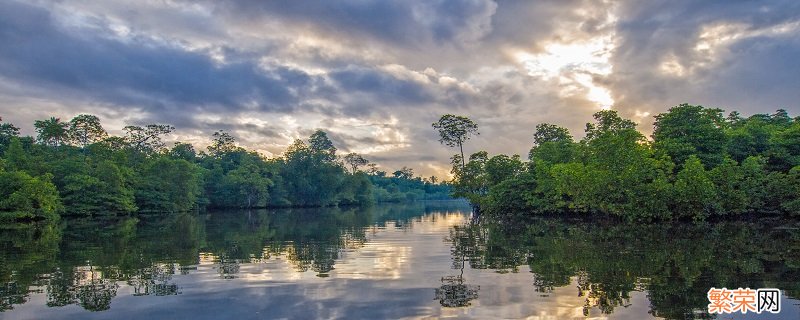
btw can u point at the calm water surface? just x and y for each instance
(420, 260)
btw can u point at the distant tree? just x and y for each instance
(355, 160)
(7, 131)
(785, 147)
(404, 173)
(791, 187)
(51, 132)
(372, 169)
(115, 143)
(85, 129)
(183, 151)
(454, 131)
(147, 139)
(168, 185)
(320, 145)
(222, 143)
(310, 175)
(250, 184)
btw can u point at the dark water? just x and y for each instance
(421, 260)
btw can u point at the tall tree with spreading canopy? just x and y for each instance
(454, 131)
(147, 139)
(85, 129)
(355, 160)
(222, 143)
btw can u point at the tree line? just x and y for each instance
(698, 164)
(75, 168)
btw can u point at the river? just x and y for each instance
(416, 260)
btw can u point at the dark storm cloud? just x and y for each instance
(137, 72)
(386, 88)
(392, 21)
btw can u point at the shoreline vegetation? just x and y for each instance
(76, 169)
(698, 165)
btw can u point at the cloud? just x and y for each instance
(140, 72)
(734, 55)
(407, 23)
(376, 74)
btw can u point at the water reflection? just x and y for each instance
(85, 262)
(397, 261)
(674, 263)
(455, 292)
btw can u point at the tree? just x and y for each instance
(320, 145)
(102, 192)
(250, 183)
(51, 132)
(471, 181)
(168, 185)
(791, 187)
(502, 167)
(552, 144)
(546, 132)
(222, 143)
(728, 178)
(355, 160)
(147, 139)
(454, 131)
(687, 130)
(785, 148)
(7, 131)
(404, 173)
(23, 197)
(607, 121)
(183, 151)
(16, 157)
(695, 193)
(85, 129)
(372, 169)
(310, 174)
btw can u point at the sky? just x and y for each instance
(376, 74)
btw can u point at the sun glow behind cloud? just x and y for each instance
(713, 45)
(574, 66)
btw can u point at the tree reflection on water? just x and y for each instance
(84, 262)
(455, 292)
(674, 263)
(90, 263)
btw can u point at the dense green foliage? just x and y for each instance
(76, 169)
(698, 165)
